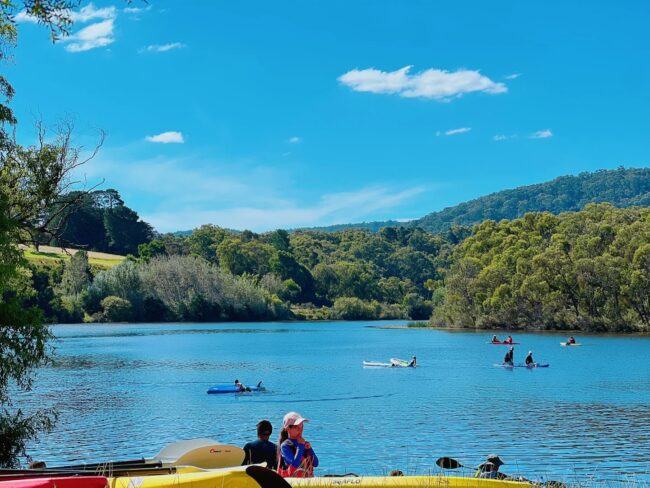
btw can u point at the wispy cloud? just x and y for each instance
(95, 35)
(186, 192)
(542, 134)
(513, 76)
(330, 209)
(460, 130)
(161, 48)
(295, 140)
(170, 137)
(432, 83)
(136, 10)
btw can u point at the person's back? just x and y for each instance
(262, 450)
(529, 359)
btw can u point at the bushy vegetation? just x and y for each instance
(586, 270)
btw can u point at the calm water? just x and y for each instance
(128, 390)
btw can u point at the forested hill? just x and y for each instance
(622, 187)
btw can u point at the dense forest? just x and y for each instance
(622, 187)
(583, 270)
(97, 221)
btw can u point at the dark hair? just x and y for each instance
(396, 472)
(36, 465)
(264, 427)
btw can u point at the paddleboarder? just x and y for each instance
(529, 359)
(509, 358)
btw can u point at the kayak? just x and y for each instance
(235, 477)
(231, 388)
(401, 363)
(376, 364)
(406, 482)
(57, 482)
(569, 344)
(532, 366)
(502, 343)
(258, 477)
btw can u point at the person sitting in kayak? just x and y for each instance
(495, 339)
(296, 458)
(508, 340)
(529, 359)
(490, 468)
(413, 362)
(509, 357)
(571, 340)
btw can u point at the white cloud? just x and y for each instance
(95, 35)
(136, 10)
(500, 137)
(161, 48)
(295, 140)
(460, 130)
(171, 137)
(432, 83)
(542, 134)
(89, 12)
(23, 16)
(513, 76)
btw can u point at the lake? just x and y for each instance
(126, 391)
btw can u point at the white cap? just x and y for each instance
(293, 418)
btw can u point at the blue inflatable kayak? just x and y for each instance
(231, 388)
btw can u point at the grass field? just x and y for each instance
(47, 255)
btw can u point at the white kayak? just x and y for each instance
(401, 363)
(376, 364)
(574, 344)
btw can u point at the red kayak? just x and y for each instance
(62, 482)
(501, 343)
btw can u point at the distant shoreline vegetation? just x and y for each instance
(583, 271)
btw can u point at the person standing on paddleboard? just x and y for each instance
(296, 458)
(509, 358)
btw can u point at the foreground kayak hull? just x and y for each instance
(59, 482)
(237, 477)
(406, 482)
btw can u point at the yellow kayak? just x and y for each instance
(259, 477)
(406, 482)
(237, 477)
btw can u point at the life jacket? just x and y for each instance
(305, 470)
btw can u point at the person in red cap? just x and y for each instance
(296, 458)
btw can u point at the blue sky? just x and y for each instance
(263, 115)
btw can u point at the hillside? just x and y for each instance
(622, 187)
(48, 255)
